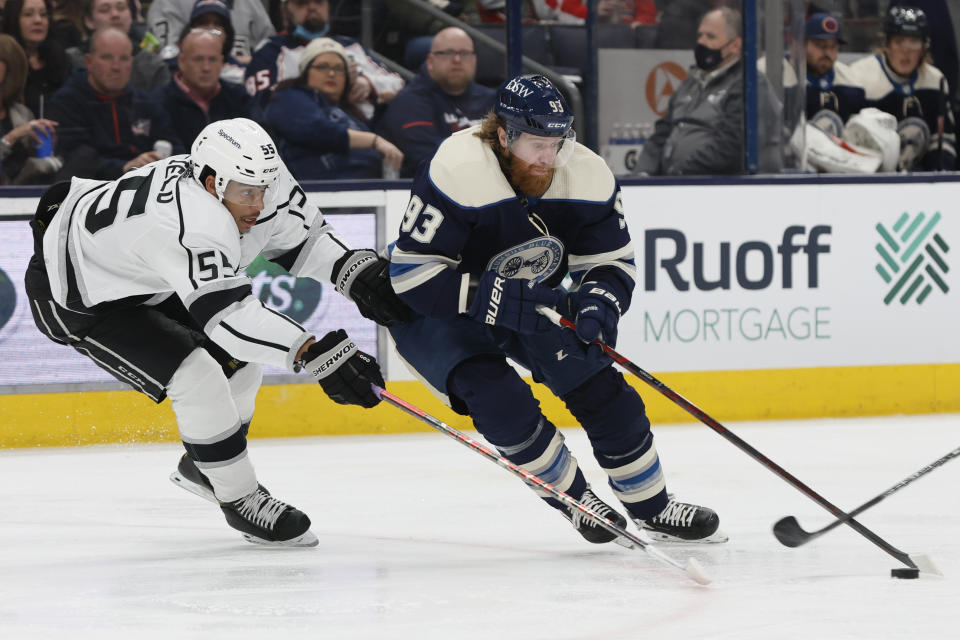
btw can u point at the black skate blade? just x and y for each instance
(196, 489)
(307, 539)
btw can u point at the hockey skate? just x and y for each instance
(589, 529)
(682, 522)
(189, 477)
(262, 519)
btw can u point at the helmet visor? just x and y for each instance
(246, 195)
(550, 152)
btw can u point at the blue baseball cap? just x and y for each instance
(823, 26)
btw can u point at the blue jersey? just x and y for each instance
(836, 91)
(464, 217)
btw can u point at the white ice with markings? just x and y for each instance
(422, 538)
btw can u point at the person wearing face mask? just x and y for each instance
(702, 130)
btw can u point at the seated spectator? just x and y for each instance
(28, 21)
(250, 24)
(107, 127)
(900, 80)
(279, 59)
(148, 71)
(319, 135)
(67, 25)
(211, 14)
(197, 96)
(702, 131)
(442, 99)
(830, 85)
(19, 131)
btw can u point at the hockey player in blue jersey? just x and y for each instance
(901, 81)
(496, 220)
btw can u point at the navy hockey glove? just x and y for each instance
(364, 277)
(512, 303)
(596, 312)
(344, 372)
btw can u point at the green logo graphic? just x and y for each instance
(272, 285)
(912, 258)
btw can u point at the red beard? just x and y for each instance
(526, 182)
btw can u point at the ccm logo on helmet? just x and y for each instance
(226, 136)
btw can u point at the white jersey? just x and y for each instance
(156, 232)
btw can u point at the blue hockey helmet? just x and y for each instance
(906, 21)
(532, 104)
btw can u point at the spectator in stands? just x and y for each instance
(250, 24)
(211, 14)
(370, 83)
(830, 86)
(107, 127)
(900, 80)
(198, 96)
(19, 131)
(442, 100)
(319, 135)
(67, 25)
(148, 70)
(28, 21)
(702, 131)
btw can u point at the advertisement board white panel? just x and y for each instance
(770, 276)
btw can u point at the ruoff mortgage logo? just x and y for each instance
(912, 258)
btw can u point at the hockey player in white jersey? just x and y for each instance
(498, 218)
(145, 275)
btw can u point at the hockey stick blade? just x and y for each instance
(692, 568)
(737, 441)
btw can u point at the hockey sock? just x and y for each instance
(505, 412)
(615, 419)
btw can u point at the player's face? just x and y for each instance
(539, 152)
(904, 53)
(243, 201)
(822, 54)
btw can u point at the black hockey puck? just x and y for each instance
(905, 573)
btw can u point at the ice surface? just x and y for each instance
(422, 538)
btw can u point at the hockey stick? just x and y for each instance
(692, 568)
(915, 561)
(789, 532)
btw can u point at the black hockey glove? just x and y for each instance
(596, 312)
(512, 303)
(344, 372)
(364, 277)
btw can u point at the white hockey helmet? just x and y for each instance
(238, 151)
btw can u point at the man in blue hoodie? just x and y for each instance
(442, 100)
(106, 127)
